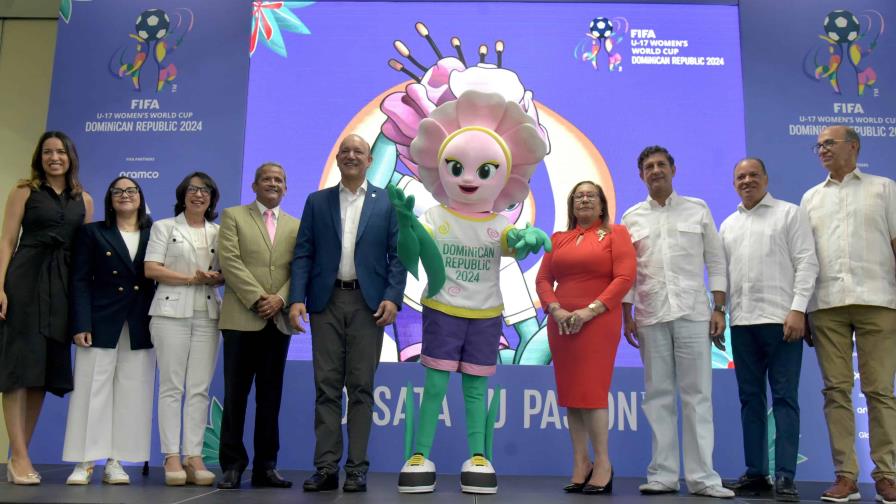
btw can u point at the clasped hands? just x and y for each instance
(572, 322)
(210, 278)
(268, 305)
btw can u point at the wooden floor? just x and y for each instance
(381, 489)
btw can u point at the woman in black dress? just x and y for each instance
(35, 352)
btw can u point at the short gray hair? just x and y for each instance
(265, 165)
(756, 159)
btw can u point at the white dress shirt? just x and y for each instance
(350, 205)
(673, 244)
(771, 261)
(262, 209)
(854, 222)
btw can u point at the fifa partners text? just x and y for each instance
(538, 408)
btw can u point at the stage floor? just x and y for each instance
(381, 489)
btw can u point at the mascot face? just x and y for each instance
(473, 167)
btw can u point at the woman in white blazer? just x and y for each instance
(182, 257)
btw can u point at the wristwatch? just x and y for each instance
(593, 307)
(720, 308)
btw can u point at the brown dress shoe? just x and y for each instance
(886, 490)
(843, 490)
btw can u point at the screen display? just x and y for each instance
(605, 80)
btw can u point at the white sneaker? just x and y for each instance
(418, 475)
(657, 487)
(717, 491)
(478, 476)
(114, 474)
(81, 474)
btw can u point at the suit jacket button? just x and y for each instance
(166, 297)
(114, 272)
(136, 287)
(121, 289)
(208, 297)
(213, 251)
(273, 268)
(108, 253)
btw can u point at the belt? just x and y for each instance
(347, 284)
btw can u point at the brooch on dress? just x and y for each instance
(601, 234)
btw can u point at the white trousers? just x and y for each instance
(110, 409)
(187, 350)
(679, 353)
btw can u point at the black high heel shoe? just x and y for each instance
(578, 487)
(594, 489)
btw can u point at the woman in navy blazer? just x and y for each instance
(110, 412)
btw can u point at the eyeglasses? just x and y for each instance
(118, 192)
(826, 145)
(191, 189)
(584, 196)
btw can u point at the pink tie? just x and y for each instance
(269, 223)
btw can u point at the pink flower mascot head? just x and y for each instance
(477, 153)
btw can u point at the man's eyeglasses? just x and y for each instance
(584, 196)
(826, 145)
(198, 189)
(118, 192)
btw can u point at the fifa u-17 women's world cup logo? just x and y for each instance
(603, 34)
(158, 34)
(847, 37)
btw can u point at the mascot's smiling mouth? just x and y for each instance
(468, 189)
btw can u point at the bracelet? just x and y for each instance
(189, 281)
(553, 307)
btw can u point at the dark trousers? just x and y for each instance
(345, 349)
(248, 355)
(760, 350)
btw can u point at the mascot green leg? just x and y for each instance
(477, 474)
(475, 388)
(418, 475)
(433, 393)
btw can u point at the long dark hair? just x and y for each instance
(572, 222)
(144, 221)
(181, 194)
(39, 176)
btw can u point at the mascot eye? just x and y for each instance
(486, 171)
(455, 167)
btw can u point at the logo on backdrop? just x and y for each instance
(604, 36)
(847, 38)
(158, 36)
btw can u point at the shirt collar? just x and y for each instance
(766, 200)
(361, 190)
(857, 173)
(652, 203)
(262, 208)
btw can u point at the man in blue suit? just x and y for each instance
(346, 274)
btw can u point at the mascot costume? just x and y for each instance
(475, 155)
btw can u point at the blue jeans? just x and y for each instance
(759, 350)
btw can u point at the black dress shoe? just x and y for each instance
(746, 485)
(590, 489)
(577, 487)
(355, 481)
(321, 481)
(269, 478)
(230, 480)
(785, 490)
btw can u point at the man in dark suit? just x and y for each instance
(255, 245)
(346, 274)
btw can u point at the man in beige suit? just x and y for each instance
(255, 245)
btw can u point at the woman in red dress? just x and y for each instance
(593, 266)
